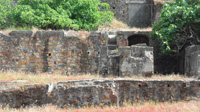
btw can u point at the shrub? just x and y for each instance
(5, 10)
(61, 14)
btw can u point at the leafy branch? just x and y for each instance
(179, 25)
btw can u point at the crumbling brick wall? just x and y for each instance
(70, 52)
(100, 92)
(45, 51)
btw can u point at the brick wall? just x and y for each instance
(44, 51)
(100, 92)
(69, 52)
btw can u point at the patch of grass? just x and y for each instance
(182, 106)
(45, 78)
(118, 25)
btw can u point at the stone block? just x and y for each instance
(192, 60)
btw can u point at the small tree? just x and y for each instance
(179, 25)
(61, 14)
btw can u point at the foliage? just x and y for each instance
(5, 11)
(179, 25)
(61, 14)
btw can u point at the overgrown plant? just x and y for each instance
(179, 25)
(61, 14)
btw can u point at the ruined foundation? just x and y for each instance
(100, 92)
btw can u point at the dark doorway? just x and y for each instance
(138, 39)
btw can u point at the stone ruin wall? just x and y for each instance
(112, 50)
(100, 92)
(66, 52)
(45, 51)
(69, 52)
(136, 13)
(119, 8)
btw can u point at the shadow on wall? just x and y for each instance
(167, 64)
(138, 39)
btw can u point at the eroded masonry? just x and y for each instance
(101, 92)
(115, 53)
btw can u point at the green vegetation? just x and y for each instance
(55, 14)
(5, 11)
(179, 25)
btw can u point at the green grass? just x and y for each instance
(12, 28)
(25, 28)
